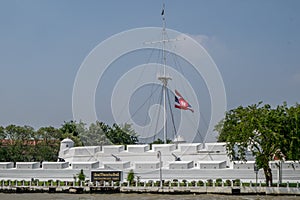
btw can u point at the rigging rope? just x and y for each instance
(142, 104)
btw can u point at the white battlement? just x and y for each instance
(85, 165)
(6, 165)
(163, 148)
(146, 165)
(55, 165)
(27, 165)
(243, 165)
(212, 164)
(138, 148)
(215, 147)
(181, 165)
(189, 147)
(116, 165)
(86, 150)
(109, 149)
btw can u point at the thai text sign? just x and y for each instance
(106, 175)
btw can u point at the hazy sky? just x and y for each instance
(255, 45)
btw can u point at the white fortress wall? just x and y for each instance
(194, 162)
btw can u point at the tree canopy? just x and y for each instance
(23, 143)
(268, 133)
(100, 133)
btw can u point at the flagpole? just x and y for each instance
(164, 79)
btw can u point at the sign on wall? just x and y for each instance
(106, 176)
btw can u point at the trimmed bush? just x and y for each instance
(149, 183)
(192, 183)
(209, 182)
(200, 183)
(174, 184)
(117, 183)
(141, 184)
(157, 183)
(218, 182)
(228, 182)
(166, 183)
(246, 184)
(236, 182)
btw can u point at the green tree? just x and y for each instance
(81, 175)
(2, 133)
(47, 141)
(130, 176)
(18, 142)
(262, 130)
(72, 130)
(159, 141)
(120, 135)
(290, 137)
(95, 135)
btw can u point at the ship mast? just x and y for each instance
(164, 78)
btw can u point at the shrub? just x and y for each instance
(209, 182)
(40, 183)
(292, 184)
(182, 184)
(149, 183)
(117, 183)
(236, 182)
(157, 183)
(142, 184)
(133, 183)
(81, 175)
(174, 184)
(246, 184)
(192, 183)
(166, 183)
(200, 183)
(283, 185)
(130, 176)
(218, 182)
(228, 182)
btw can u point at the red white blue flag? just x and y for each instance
(181, 103)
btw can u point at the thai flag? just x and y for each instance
(181, 103)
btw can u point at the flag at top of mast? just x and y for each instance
(163, 10)
(181, 103)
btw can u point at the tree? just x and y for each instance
(290, 145)
(159, 141)
(47, 142)
(119, 135)
(17, 143)
(95, 135)
(72, 130)
(2, 133)
(81, 175)
(130, 176)
(266, 132)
